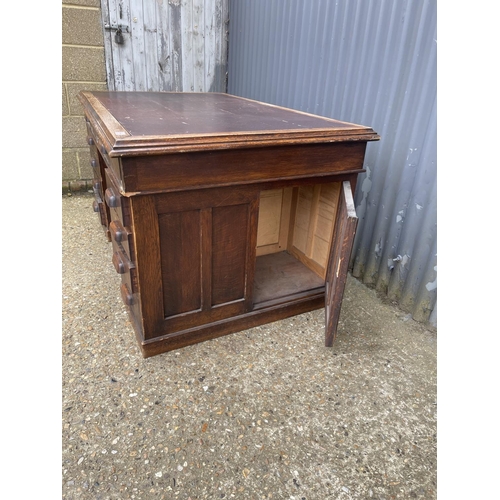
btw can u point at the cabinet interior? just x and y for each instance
(294, 235)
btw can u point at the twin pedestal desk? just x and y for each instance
(224, 213)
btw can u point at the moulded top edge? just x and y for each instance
(151, 121)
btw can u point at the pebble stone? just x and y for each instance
(266, 413)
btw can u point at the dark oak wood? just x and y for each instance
(237, 167)
(182, 290)
(178, 179)
(229, 253)
(338, 264)
(148, 123)
(259, 316)
(99, 183)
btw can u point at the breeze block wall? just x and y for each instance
(83, 68)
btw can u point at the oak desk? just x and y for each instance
(224, 213)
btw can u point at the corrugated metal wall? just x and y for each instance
(371, 62)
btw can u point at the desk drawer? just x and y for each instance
(120, 227)
(98, 184)
(122, 238)
(100, 209)
(126, 269)
(118, 205)
(122, 260)
(121, 235)
(96, 146)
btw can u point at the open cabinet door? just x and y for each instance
(343, 237)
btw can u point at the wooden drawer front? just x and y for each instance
(97, 145)
(100, 209)
(129, 289)
(94, 163)
(96, 169)
(119, 206)
(98, 185)
(99, 205)
(98, 189)
(122, 237)
(119, 211)
(123, 263)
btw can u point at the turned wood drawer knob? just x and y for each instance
(90, 141)
(111, 198)
(117, 231)
(122, 263)
(95, 206)
(119, 263)
(93, 163)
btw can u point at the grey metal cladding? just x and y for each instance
(371, 62)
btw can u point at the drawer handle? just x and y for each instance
(111, 198)
(122, 263)
(90, 141)
(118, 232)
(119, 263)
(95, 206)
(127, 297)
(93, 163)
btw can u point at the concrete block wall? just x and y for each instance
(83, 68)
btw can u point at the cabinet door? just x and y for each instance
(343, 237)
(195, 257)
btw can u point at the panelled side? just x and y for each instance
(204, 257)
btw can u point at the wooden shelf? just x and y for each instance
(280, 275)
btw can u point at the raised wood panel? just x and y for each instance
(180, 241)
(208, 240)
(229, 251)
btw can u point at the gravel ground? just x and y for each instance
(266, 413)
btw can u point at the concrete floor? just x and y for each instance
(267, 413)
